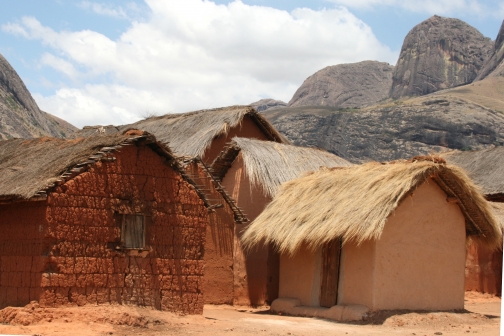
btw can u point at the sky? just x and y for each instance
(117, 61)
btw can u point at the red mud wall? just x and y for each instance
(483, 271)
(218, 279)
(82, 265)
(247, 129)
(21, 252)
(256, 272)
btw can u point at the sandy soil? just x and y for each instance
(481, 317)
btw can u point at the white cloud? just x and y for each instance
(15, 29)
(60, 65)
(104, 9)
(440, 7)
(194, 54)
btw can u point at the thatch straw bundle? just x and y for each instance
(269, 164)
(28, 166)
(485, 167)
(354, 203)
(191, 134)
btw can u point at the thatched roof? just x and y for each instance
(31, 168)
(354, 203)
(191, 134)
(270, 164)
(485, 167)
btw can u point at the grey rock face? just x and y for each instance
(346, 85)
(268, 104)
(389, 133)
(20, 116)
(439, 53)
(494, 66)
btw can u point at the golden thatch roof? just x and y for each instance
(270, 164)
(485, 167)
(355, 202)
(191, 134)
(30, 168)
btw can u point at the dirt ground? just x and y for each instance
(481, 317)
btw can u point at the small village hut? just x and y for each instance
(252, 171)
(486, 168)
(381, 236)
(204, 134)
(102, 219)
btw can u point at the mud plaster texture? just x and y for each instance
(218, 279)
(418, 262)
(231, 275)
(483, 270)
(256, 271)
(247, 129)
(64, 251)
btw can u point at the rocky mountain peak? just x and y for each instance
(351, 85)
(439, 53)
(268, 104)
(13, 83)
(494, 66)
(20, 116)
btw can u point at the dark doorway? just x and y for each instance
(330, 273)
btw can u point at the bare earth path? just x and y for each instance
(481, 317)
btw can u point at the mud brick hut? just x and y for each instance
(103, 219)
(375, 236)
(486, 169)
(251, 171)
(204, 134)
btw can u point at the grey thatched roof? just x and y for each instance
(270, 164)
(28, 168)
(485, 167)
(354, 203)
(191, 134)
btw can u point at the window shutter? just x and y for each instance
(133, 231)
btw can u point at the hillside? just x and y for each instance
(20, 117)
(467, 117)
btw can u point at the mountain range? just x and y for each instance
(446, 91)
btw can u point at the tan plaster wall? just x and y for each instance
(247, 129)
(356, 273)
(256, 271)
(418, 261)
(300, 276)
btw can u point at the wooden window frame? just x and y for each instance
(125, 230)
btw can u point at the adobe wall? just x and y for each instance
(356, 277)
(81, 230)
(255, 271)
(418, 260)
(247, 129)
(483, 270)
(21, 252)
(218, 280)
(300, 276)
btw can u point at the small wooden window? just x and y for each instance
(133, 231)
